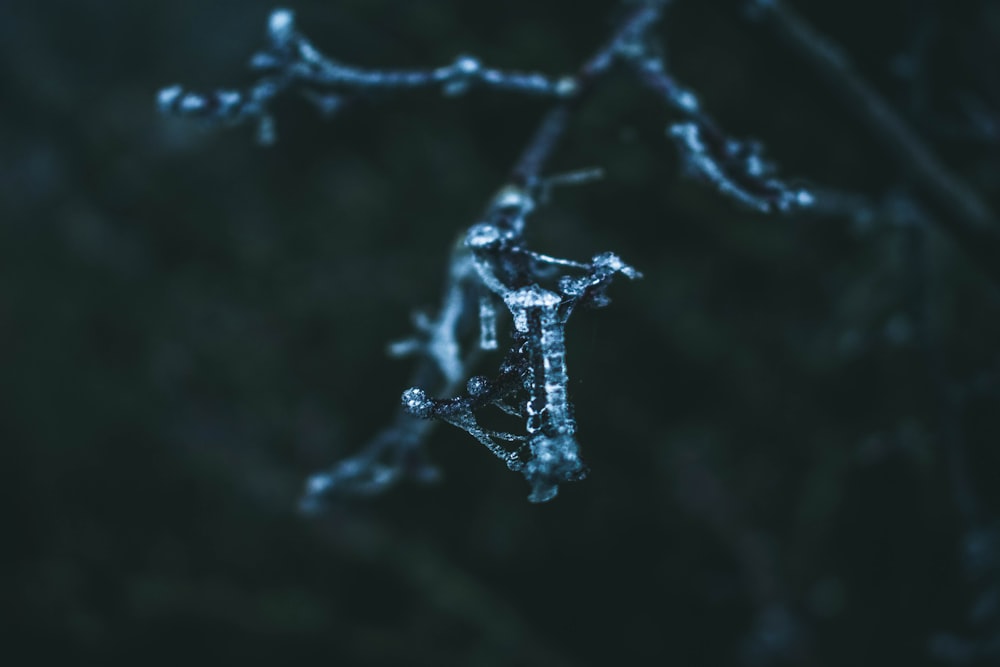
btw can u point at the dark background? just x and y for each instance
(191, 324)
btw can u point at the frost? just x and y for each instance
(416, 402)
(491, 263)
(192, 103)
(467, 65)
(735, 168)
(532, 383)
(487, 324)
(687, 100)
(566, 86)
(281, 26)
(167, 97)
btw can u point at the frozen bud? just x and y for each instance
(566, 86)
(416, 403)
(227, 100)
(482, 236)
(461, 74)
(513, 198)
(192, 103)
(318, 484)
(466, 65)
(686, 100)
(804, 198)
(281, 26)
(791, 200)
(755, 166)
(167, 97)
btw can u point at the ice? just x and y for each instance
(166, 98)
(281, 26)
(478, 385)
(466, 65)
(415, 402)
(487, 324)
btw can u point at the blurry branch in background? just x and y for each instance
(900, 214)
(964, 214)
(491, 265)
(979, 546)
(968, 219)
(778, 635)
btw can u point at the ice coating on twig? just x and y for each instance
(290, 62)
(492, 267)
(532, 382)
(735, 168)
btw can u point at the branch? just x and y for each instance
(490, 261)
(736, 168)
(966, 216)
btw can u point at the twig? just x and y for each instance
(397, 452)
(966, 216)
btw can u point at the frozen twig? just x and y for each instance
(492, 268)
(966, 215)
(291, 63)
(531, 382)
(736, 168)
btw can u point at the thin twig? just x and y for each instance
(967, 217)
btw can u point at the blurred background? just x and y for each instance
(775, 416)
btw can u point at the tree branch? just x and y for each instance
(966, 216)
